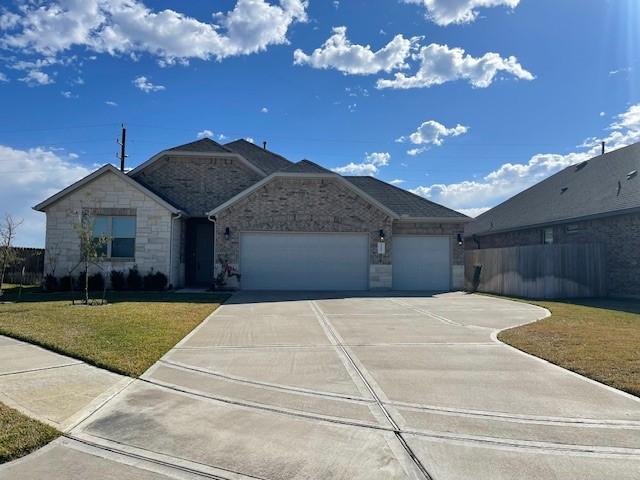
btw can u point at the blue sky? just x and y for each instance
(466, 102)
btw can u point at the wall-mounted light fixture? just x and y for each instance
(460, 240)
(227, 233)
(381, 233)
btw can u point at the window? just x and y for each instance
(121, 232)
(547, 235)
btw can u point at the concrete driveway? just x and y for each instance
(314, 386)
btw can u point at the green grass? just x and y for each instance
(20, 435)
(599, 339)
(126, 336)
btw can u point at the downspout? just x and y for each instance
(177, 217)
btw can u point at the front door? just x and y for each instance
(200, 268)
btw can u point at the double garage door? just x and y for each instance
(338, 261)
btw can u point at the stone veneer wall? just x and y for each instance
(450, 229)
(620, 234)
(197, 184)
(305, 204)
(110, 195)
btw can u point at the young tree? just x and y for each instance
(8, 231)
(91, 247)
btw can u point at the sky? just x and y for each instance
(465, 102)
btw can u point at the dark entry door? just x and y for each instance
(201, 258)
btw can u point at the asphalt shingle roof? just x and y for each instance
(265, 160)
(402, 202)
(305, 166)
(600, 186)
(202, 145)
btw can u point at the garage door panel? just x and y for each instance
(421, 262)
(301, 261)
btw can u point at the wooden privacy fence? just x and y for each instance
(538, 271)
(32, 260)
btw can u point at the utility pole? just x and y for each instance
(123, 147)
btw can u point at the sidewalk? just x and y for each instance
(52, 388)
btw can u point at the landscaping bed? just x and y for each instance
(126, 336)
(20, 435)
(599, 339)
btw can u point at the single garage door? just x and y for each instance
(304, 261)
(421, 262)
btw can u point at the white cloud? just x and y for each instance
(416, 151)
(340, 54)
(67, 94)
(602, 114)
(264, 110)
(447, 12)
(250, 139)
(440, 64)
(129, 27)
(111, 103)
(397, 181)
(628, 120)
(205, 134)
(370, 166)
(511, 178)
(30, 177)
(3, 77)
(35, 78)
(432, 133)
(144, 84)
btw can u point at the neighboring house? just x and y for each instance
(284, 226)
(596, 201)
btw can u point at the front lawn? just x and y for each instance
(599, 339)
(20, 435)
(126, 336)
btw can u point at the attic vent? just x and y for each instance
(563, 189)
(632, 174)
(580, 166)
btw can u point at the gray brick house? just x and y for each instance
(596, 201)
(191, 209)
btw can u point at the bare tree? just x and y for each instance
(91, 247)
(8, 232)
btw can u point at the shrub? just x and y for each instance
(118, 282)
(134, 279)
(155, 281)
(96, 282)
(65, 283)
(50, 283)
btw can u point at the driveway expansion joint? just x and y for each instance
(335, 338)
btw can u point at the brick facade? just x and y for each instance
(300, 204)
(296, 204)
(620, 234)
(110, 195)
(197, 184)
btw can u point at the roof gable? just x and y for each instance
(326, 174)
(108, 168)
(599, 186)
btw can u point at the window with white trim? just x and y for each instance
(547, 235)
(121, 233)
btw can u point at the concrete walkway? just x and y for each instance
(319, 386)
(52, 388)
